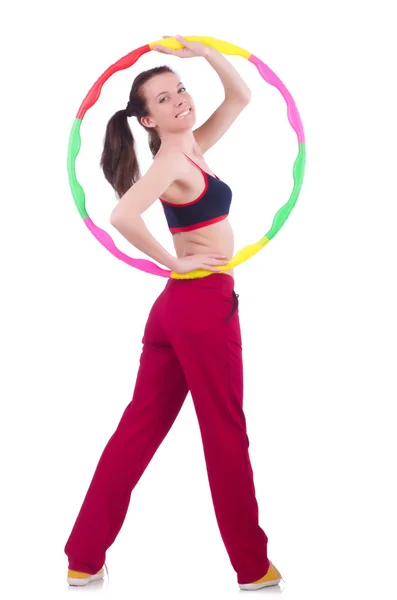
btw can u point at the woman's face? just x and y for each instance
(166, 99)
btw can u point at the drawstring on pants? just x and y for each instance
(235, 305)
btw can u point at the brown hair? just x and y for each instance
(118, 160)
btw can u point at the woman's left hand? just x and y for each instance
(190, 48)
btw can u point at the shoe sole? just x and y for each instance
(85, 578)
(275, 580)
(258, 586)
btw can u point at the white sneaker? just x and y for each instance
(80, 578)
(272, 577)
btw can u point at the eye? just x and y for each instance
(164, 97)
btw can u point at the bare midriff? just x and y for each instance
(215, 238)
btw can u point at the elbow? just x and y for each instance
(117, 214)
(114, 220)
(118, 219)
(244, 97)
(245, 94)
(248, 95)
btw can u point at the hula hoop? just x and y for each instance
(75, 143)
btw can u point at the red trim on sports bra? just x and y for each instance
(206, 175)
(198, 225)
(198, 166)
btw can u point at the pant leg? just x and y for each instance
(159, 393)
(207, 341)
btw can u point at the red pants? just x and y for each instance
(192, 342)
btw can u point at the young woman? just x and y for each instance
(192, 338)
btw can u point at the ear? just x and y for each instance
(148, 122)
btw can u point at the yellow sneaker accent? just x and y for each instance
(81, 578)
(272, 577)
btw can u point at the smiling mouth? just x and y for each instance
(184, 113)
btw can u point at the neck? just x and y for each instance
(184, 141)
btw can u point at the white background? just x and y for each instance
(317, 304)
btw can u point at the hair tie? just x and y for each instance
(128, 109)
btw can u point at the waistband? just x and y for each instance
(213, 281)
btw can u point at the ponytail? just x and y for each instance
(119, 160)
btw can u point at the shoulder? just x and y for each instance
(167, 166)
(174, 160)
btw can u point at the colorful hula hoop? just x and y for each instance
(75, 142)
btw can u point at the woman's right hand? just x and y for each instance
(208, 262)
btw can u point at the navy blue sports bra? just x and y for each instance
(211, 206)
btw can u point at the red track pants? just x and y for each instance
(192, 342)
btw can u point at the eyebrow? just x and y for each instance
(167, 92)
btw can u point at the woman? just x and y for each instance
(192, 338)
